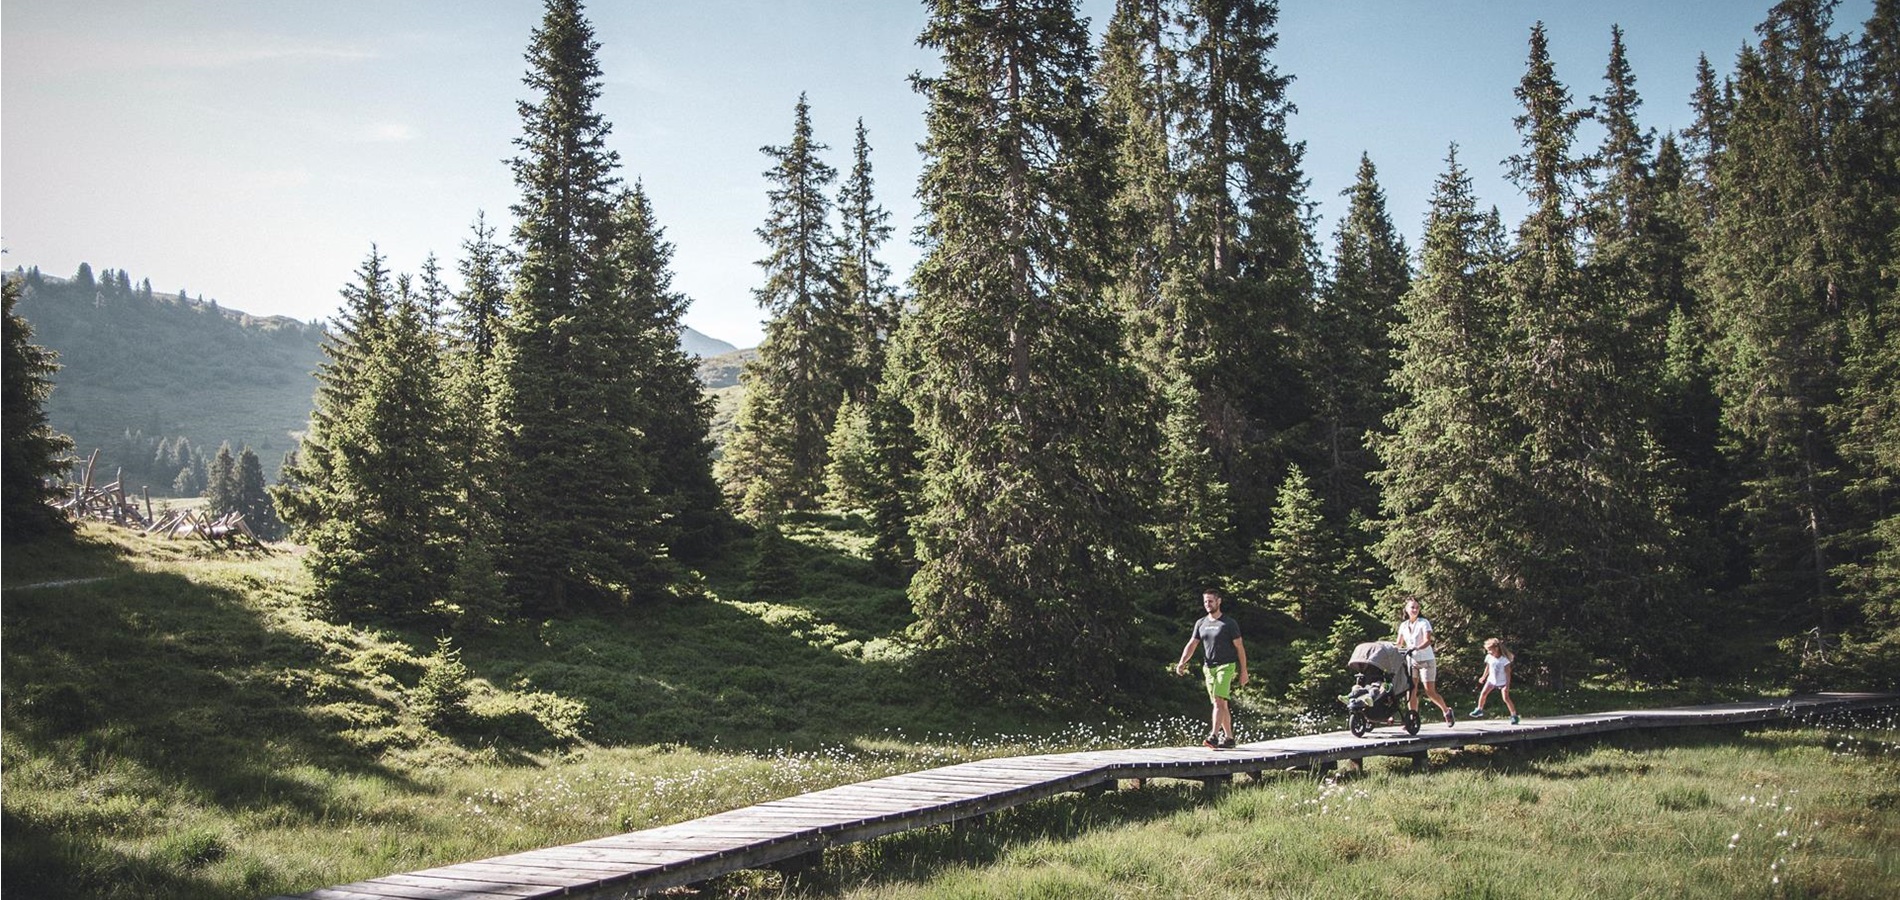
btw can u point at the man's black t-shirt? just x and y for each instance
(1217, 637)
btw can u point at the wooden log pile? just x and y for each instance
(227, 530)
(107, 503)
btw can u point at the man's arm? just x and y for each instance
(1240, 650)
(1180, 668)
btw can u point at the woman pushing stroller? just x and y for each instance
(1415, 634)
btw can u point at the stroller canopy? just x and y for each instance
(1382, 658)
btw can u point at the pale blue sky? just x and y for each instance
(252, 150)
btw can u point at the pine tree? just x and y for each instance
(850, 458)
(252, 499)
(892, 491)
(803, 363)
(474, 330)
(1140, 78)
(221, 487)
(863, 279)
(1028, 525)
(676, 414)
(573, 482)
(382, 548)
(1589, 514)
(1868, 415)
(1243, 283)
(1142, 82)
(1304, 564)
(1212, 274)
(1442, 475)
(1776, 279)
(34, 452)
(301, 501)
(1688, 413)
(1359, 308)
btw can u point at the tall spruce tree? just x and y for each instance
(1243, 283)
(864, 281)
(1213, 271)
(380, 547)
(1140, 77)
(1868, 415)
(221, 485)
(873, 309)
(794, 387)
(1776, 281)
(575, 482)
(301, 497)
(892, 490)
(1589, 514)
(1028, 524)
(1358, 310)
(1443, 471)
(253, 500)
(472, 334)
(676, 413)
(34, 452)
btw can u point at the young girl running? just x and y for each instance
(1497, 675)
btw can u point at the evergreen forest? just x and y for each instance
(539, 574)
(1649, 431)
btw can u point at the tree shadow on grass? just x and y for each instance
(173, 686)
(43, 861)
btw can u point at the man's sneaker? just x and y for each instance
(1514, 720)
(1475, 714)
(1227, 743)
(1212, 742)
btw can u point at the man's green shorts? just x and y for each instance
(1220, 679)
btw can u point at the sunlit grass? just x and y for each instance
(1810, 811)
(181, 723)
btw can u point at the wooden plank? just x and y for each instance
(631, 859)
(472, 887)
(515, 874)
(384, 889)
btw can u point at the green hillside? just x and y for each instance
(137, 368)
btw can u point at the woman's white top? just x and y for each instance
(1412, 633)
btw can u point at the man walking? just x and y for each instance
(1223, 665)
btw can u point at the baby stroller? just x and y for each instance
(1382, 688)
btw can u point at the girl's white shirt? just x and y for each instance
(1497, 670)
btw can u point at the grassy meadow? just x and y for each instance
(181, 723)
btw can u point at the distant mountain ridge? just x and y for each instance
(699, 345)
(139, 368)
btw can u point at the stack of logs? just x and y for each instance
(228, 528)
(109, 504)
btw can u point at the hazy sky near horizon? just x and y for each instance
(252, 151)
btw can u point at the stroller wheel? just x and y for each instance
(1359, 724)
(1411, 721)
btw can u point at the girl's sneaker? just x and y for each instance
(1475, 714)
(1513, 720)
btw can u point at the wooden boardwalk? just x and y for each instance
(640, 862)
